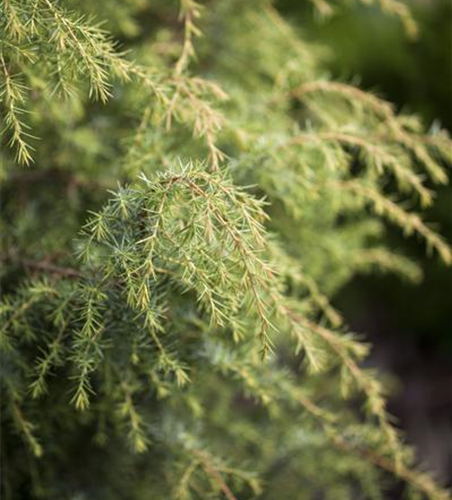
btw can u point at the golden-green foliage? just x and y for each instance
(182, 343)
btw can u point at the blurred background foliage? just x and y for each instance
(409, 325)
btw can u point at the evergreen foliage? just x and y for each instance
(182, 343)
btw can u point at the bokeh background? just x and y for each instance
(410, 326)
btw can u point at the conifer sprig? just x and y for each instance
(192, 226)
(13, 94)
(409, 222)
(145, 353)
(392, 7)
(383, 111)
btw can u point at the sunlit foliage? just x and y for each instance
(184, 188)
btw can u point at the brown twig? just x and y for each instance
(46, 266)
(68, 272)
(214, 474)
